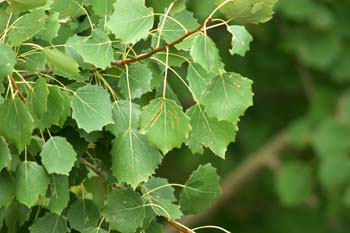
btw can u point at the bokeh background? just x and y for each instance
(297, 134)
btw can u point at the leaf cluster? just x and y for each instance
(88, 111)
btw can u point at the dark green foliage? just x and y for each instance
(89, 110)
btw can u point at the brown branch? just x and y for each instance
(97, 171)
(178, 227)
(27, 75)
(17, 88)
(159, 49)
(266, 156)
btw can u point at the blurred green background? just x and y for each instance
(300, 64)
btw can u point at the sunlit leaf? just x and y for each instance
(227, 97)
(205, 53)
(121, 117)
(31, 182)
(95, 49)
(165, 124)
(198, 78)
(133, 159)
(62, 64)
(209, 132)
(177, 26)
(23, 5)
(102, 7)
(247, 11)
(58, 156)
(92, 108)
(131, 20)
(51, 28)
(140, 77)
(26, 27)
(240, 39)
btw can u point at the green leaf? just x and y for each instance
(346, 197)
(131, 20)
(165, 124)
(58, 156)
(240, 39)
(248, 11)
(26, 27)
(209, 132)
(95, 49)
(334, 171)
(205, 53)
(227, 97)
(51, 28)
(140, 77)
(59, 193)
(92, 108)
(37, 99)
(124, 210)
(198, 78)
(5, 155)
(343, 109)
(161, 197)
(68, 8)
(8, 60)
(174, 28)
(93, 230)
(297, 9)
(83, 214)
(317, 51)
(16, 215)
(66, 112)
(121, 115)
(23, 5)
(293, 183)
(50, 222)
(62, 64)
(55, 108)
(35, 62)
(7, 187)
(331, 138)
(133, 159)
(201, 190)
(31, 182)
(16, 124)
(97, 187)
(154, 227)
(102, 7)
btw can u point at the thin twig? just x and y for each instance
(17, 88)
(27, 75)
(179, 227)
(157, 50)
(97, 171)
